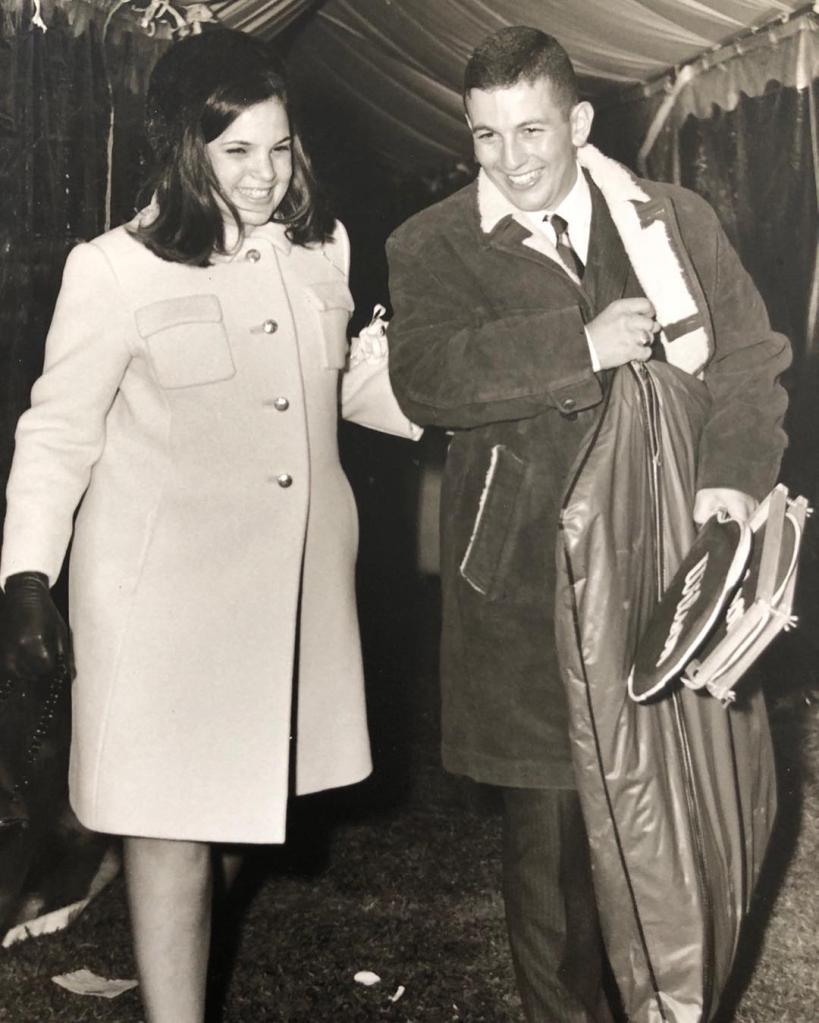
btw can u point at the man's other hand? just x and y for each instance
(710, 500)
(623, 332)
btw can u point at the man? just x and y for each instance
(515, 301)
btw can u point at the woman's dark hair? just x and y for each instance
(197, 89)
(519, 53)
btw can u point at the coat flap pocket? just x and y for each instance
(326, 295)
(481, 560)
(186, 341)
(334, 303)
(173, 312)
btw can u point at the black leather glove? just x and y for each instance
(34, 639)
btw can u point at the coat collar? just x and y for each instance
(271, 233)
(494, 208)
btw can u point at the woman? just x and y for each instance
(190, 391)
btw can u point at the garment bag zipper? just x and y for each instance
(593, 723)
(653, 421)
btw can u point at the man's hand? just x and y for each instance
(710, 500)
(623, 332)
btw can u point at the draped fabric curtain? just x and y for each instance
(742, 132)
(54, 162)
(755, 165)
(265, 17)
(745, 137)
(52, 159)
(54, 132)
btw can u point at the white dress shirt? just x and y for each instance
(576, 210)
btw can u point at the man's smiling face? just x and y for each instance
(525, 140)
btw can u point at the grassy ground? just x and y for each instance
(401, 877)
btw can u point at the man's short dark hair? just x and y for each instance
(519, 53)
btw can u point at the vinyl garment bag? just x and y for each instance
(678, 793)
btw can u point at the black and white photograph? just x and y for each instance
(409, 590)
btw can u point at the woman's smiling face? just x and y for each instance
(253, 161)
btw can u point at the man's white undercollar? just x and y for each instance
(493, 206)
(612, 178)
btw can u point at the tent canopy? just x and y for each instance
(400, 61)
(397, 64)
(622, 40)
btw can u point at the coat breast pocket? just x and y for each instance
(186, 341)
(482, 560)
(334, 305)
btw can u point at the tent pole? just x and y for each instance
(813, 306)
(686, 75)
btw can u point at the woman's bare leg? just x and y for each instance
(169, 894)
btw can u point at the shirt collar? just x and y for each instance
(269, 234)
(576, 210)
(493, 205)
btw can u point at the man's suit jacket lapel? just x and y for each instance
(607, 265)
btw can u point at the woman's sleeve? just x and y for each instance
(61, 436)
(366, 392)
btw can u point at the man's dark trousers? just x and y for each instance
(551, 914)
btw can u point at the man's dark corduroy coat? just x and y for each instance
(487, 341)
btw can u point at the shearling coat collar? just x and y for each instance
(650, 234)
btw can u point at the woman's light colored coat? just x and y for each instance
(199, 408)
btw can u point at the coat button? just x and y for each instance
(281, 404)
(284, 479)
(568, 404)
(253, 255)
(270, 326)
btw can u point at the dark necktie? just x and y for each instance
(564, 246)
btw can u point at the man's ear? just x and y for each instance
(580, 119)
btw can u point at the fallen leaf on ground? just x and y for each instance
(84, 982)
(367, 978)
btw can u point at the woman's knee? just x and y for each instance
(164, 857)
